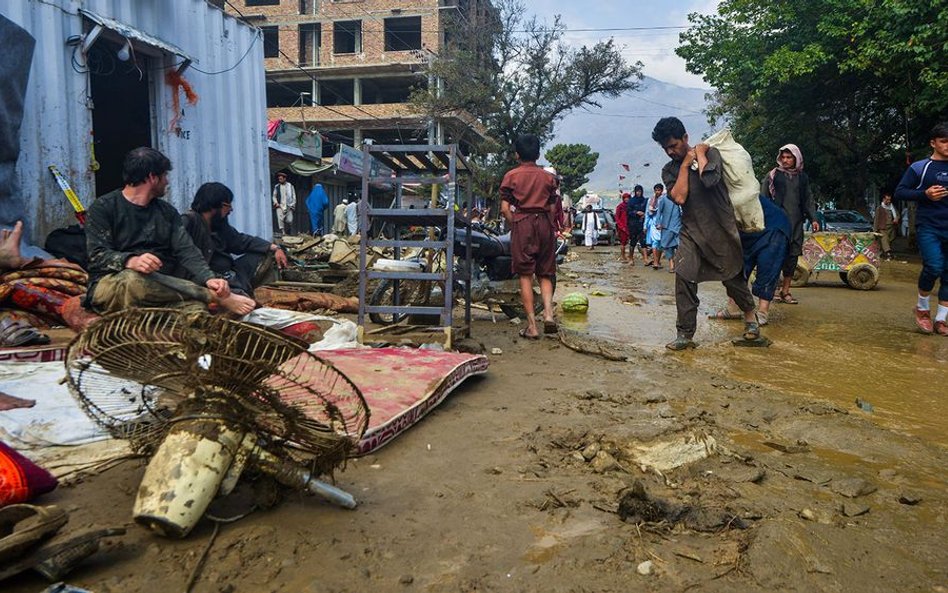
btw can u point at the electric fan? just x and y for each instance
(205, 397)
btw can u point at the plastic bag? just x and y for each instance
(742, 184)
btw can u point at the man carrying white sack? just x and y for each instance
(709, 246)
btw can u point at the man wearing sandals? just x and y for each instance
(528, 194)
(926, 182)
(789, 187)
(709, 247)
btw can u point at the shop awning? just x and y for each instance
(130, 32)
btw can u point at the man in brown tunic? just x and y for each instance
(709, 247)
(528, 194)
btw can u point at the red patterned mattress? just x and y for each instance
(401, 385)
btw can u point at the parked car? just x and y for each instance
(607, 227)
(843, 221)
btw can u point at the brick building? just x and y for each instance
(348, 67)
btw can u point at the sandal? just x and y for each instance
(523, 334)
(788, 298)
(14, 332)
(751, 331)
(549, 327)
(762, 318)
(726, 314)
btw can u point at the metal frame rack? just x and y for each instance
(427, 165)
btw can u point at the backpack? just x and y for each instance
(69, 243)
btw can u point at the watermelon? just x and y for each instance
(575, 302)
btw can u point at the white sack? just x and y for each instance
(742, 184)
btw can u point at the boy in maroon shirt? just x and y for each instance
(528, 195)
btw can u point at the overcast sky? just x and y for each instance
(655, 49)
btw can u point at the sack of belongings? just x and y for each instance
(742, 184)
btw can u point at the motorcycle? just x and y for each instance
(492, 281)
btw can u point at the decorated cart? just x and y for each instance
(854, 256)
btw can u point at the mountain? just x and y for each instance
(621, 132)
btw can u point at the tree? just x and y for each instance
(855, 84)
(573, 162)
(516, 76)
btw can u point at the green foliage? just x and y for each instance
(849, 81)
(573, 162)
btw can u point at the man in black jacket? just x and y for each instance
(206, 223)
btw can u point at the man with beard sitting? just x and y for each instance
(206, 223)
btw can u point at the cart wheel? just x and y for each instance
(862, 277)
(801, 276)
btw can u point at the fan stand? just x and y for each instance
(203, 455)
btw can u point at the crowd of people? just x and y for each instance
(690, 222)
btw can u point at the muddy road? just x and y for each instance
(722, 469)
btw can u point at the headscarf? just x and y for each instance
(795, 151)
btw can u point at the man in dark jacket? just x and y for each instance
(635, 222)
(206, 223)
(926, 183)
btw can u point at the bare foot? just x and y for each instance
(239, 304)
(10, 257)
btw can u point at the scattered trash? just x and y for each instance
(575, 302)
(864, 405)
(496, 351)
(599, 293)
(668, 455)
(808, 515)
(645, 568)
(516, 321)
(636, 506)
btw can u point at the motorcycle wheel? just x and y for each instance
(414, 292)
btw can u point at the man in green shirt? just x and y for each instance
(139, 251)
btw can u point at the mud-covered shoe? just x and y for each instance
(681, 343)
(923, 319)
(941, 328)
(751, 330)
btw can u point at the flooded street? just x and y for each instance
(838, 344)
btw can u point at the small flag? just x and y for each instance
(624, 166)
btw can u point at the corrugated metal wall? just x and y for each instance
(227, 127)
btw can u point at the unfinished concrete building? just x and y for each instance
(348, 67)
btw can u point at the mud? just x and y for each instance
(516, 482)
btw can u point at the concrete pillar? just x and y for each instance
(357, 138)
(357, 91)
(315, 93)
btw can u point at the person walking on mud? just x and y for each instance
(532, 192)
(669, 223)
(885, 221)
(926, 182)
(635, 222)
(590, 227)
(622, 225)
(709, 247)
(789, 187)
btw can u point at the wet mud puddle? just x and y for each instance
(841, 346)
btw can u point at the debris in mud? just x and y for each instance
(909, 499)
(667, 455)
(644, 568)
(591, 451)
(864, 405)
(636, 506)
(604, 462)
(852, 509)
(852, 487)
(581, 342)
(798, 447)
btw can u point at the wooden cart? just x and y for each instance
(854, 256)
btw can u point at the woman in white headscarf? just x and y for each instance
(789, 187)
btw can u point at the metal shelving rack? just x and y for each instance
(427, 165)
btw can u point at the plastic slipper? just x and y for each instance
(526, 336)
(549, 327)
(22, 526)
(725, 314)
(762, 318)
